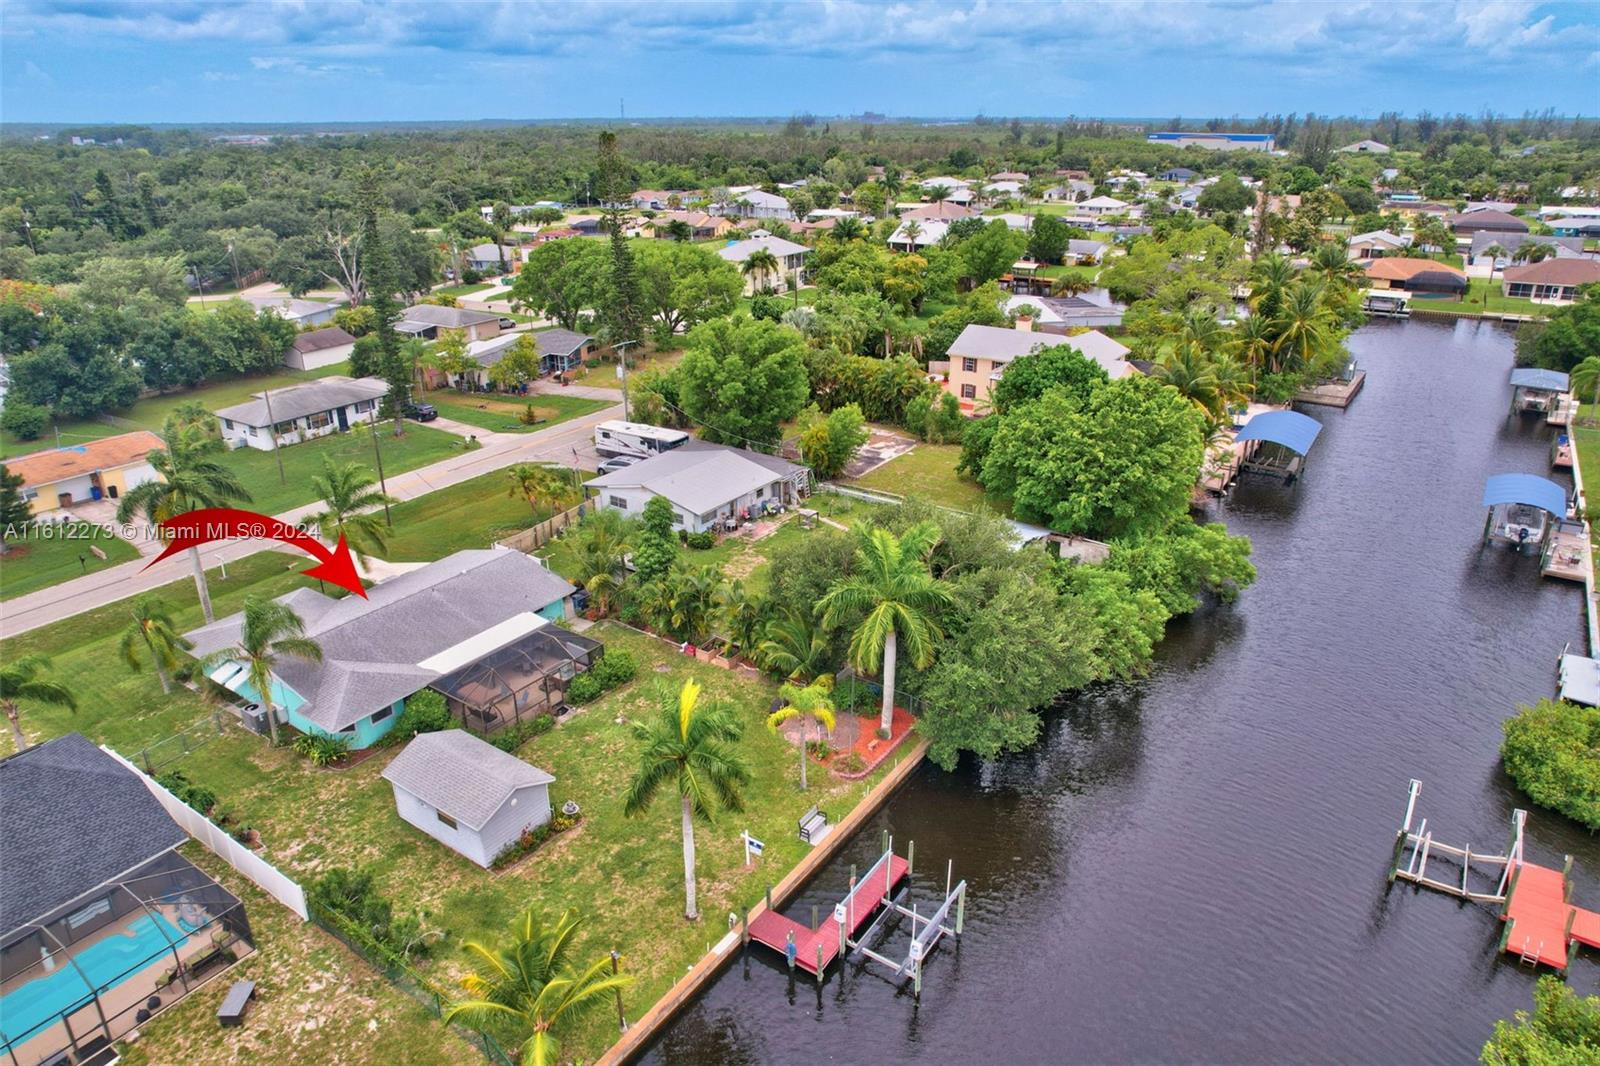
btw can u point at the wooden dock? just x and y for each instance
(1566, 551)
(1333, 393)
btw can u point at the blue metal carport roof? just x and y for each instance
(1289, 428)
(1531, 489)
(1533, 377)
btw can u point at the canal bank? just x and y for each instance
(1193, 868)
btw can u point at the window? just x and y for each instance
(618, 502)
(381, 715)
(363, 407)
(30, 494)
(762, 491)
(351, 728)
(227, 423)
(250, 430)
(446, 819)
(319, 420)
(970, 366)
(969, 392)
(283, 427)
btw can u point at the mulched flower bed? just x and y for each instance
(869, 748)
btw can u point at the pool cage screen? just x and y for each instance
(94, 969)
(520, 681)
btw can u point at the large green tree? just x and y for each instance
(381, 281)
(742, 378)
(565, 280)
(684, 285)
(1563, 1030)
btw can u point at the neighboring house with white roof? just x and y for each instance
(791, 259)
(1003, 190)
(1377, 244)
(981, 354)
(1482, 241)
(1097, 206)
(477, 626)
(559, 349)
(293, 309)
(1086, 252)
(755, 203)
(491, 258)
(468, 794)
(1022, 223)
(704, 482)
(278, 417)
(1370, 147)
(1059, 314)
(913, 233)
(1071, 189)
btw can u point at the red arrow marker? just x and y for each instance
(195, 528)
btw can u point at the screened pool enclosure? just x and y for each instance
(525, 678)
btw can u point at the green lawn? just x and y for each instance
(808, 295)
(72, 431)
(1485, 296)
(464, 290)
(1586, 438)
(503, 414)
(473, 514)
(50, 553)
(271, 494)
(928, 472)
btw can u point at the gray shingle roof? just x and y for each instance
(739, 251)
(997, 343)
(297, 401)
(1566, 247)
(372, 648)
(700, 477)
(318, 339)
(73, 818)
(445, 317)
(466, 778)
(549, 342)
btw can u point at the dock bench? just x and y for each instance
(233, 1005)
(812, 823)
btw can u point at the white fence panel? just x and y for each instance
(220, 843)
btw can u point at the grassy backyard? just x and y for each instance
(49, 554)
(928, 472)
(271, 494)
(503, 414)
(472, 514)
(459, 291)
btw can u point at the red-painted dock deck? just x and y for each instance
(773, 929)
(1542, 925)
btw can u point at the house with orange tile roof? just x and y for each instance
(56, 478)
(1427, 276)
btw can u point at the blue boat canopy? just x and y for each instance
(1531, 489)
(1289, 428)
(1533, 377)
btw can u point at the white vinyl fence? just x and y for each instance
(220, 843)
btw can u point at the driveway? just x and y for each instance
(882, 445)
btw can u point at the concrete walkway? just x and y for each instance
(568, 444)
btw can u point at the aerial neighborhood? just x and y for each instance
(524, 591)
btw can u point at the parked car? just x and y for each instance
(422, 412)
(508, 323)
(612, 465)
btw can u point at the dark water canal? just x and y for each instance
(1191, 868)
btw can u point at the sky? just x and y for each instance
(381, 60)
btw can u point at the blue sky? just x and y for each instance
(377, 60)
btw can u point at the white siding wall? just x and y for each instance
(694, 523)
(318, 359)
(240, 436)
(530, 807)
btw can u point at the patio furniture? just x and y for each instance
(812, 824)
(231, 1013)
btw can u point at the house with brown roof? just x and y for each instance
(941, 210)
(1553, 280)
(317, 348)
(702, 226)
(57, 478)
(1467, 223)
(1438, 280)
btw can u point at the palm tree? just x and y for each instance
(542, 483)
(529, 984)
(190, 480)
(740, 615)
(1270, 276)
(939, 193)
(1233, 380)
(910, 232)
(689, 746)
(1334, 265)
(1303, 328)
(761, 265)
(270, 631)
(23, 679)
(1586, 378)
(1201, 329)
(892, 587)
(152, 626)
(1070, 285)
(1186, 369)
(1252, 341)
(808, 703)
(849, 229)
(1533, 252)
(793, 645)
(599, 544)
(348, 492)
(679, 230)
(1494, 252)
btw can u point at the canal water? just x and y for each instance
(1192, 868)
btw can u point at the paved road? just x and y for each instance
(570, 444)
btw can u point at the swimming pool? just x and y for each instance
(106, 963)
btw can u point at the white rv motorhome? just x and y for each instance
(635, 439)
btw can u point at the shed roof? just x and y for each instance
(1530, 489)
(455, 772)
(73, 819)
(57, 464)
(316, 340)
(1291, 429)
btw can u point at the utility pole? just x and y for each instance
(622, 371)
(388, 520)
(201, 282)
(272, 435)
(237, 283)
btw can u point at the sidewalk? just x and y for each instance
(555, 445)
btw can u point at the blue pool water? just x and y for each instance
(106, 963)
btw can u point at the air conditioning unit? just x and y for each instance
(255, 719)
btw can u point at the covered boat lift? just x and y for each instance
(1523, 508)
(1282, 440)
(1535, 390)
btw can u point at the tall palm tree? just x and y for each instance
(528, 984)
(152, 627)
(1252, 341)
(893, 588)
(351, 499)
(1201, 329)
(1585, 377)
(1187, 369)
(542, 483)
(1334, 266)
(1494, 252)
(1533, 252)
(1234, 380)
(939, 193)
(911, 231)
(1269, 277)
(793, 645)
(190, 480)
(271, 631)
(23, 679)
(1304, 329)
(808, 703)
(849, 229)
(760, 266)
(689, 746)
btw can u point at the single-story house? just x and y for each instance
(491, 258)
(1548, 212)
(1490, 205)
(467, 793)
(1563, 247)
(914, 234)
(1003, 190)
(1085, 252)
(702, 227)
(1058, 314)
(791, 259)
(476, 626)
(704, 482)
(1576, 226)
(102, 922)
(1020, 223)
(1071, 189)
(1370, 147)
(559, 349)
(1407, 208)
(943, 211)
(1466, 223)
(1178, 174)
(57, 478)
(1553, 280)
(1009, 175)
(1416, 275)
(317, 348)
(1377, 244)
(426, 320)
(303, 412)
(981, 353)
(1097, 206)
(755, 203)
(657, 199)
(293, 309)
